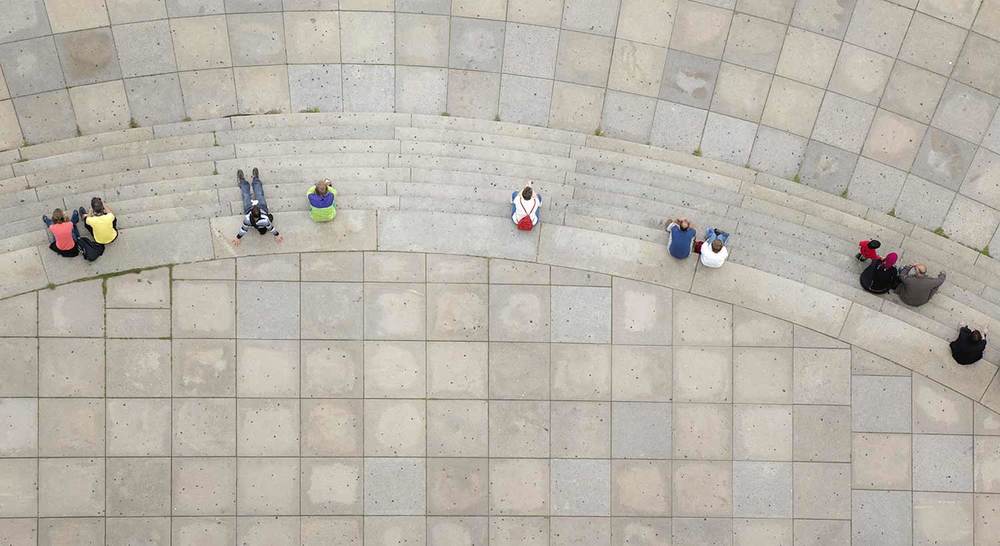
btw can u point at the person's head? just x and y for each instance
(921, 269)
(97, 205)
(890, 259)
(323, 186)
(873, 244)
(58, 217)
(684, 224)
(527, 192)
(977, 336)
(716, 245)
(255, 213)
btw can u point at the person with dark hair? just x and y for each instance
(713, 250)
(969, 347)
(255, 211)
(63, 234)
(915, 287)
(868, 250)
(100, 221)
(681, 237)
(881, 275)
(524, 207)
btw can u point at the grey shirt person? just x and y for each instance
(915, 287)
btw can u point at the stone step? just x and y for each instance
(477, 166)
(302, 162)
(24, 240)
(683, 158)
(840, 258)
(648, 178)
(304, 147)
(487, 153)
(86, 170)
(363, 119)
(851, 291)
(634, 163)
(193, 127)
(498, 128)
(348, 202)
(159, 145)
(663, 183)
(471, 138)
(506, 183)
(640, 191)
(163, 202)
(158, 188)
(448, 205)
(85, 142)
(297, 190)
(319, 132)
(141, 218)
(57, 161)
(96, 184)
(309, 174)
(192, 155)
(13, 184)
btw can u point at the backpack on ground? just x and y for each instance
(91, 250)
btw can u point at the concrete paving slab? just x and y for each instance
(932, 43)
(700, 29)
(808, 57)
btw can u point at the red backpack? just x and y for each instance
(524, 224)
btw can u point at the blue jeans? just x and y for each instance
(76, 230)
(711, 236)
(258, 193)
(513, 207)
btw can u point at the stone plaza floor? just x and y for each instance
(384, 398)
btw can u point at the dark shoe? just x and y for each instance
(45, 219)
(82, 211)
(255, 173)
(239, 175)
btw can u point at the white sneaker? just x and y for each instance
(254, 202)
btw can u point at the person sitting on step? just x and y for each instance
(915, 287)
(968, 348)
(100, 221)
(682, 234)
(322, 201)
(63, 234)
(868, 250)
(255, 213)
(713, 250)
(881, 275)
(524, 207)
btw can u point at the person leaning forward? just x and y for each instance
(915, 287)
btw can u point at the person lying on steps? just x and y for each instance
(255, 211)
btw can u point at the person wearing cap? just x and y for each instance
(322, 201)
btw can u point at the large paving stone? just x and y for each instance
(932, 44)
(24, 20)
(473, 94)
(530, 50)
(843, 122)
(583, 58)
(884, 517)
(201, 42)
(741, 92)
(100, 107)
(923, 202)
(728, 138)
(155, 99)
(31, 66)
(256, 38)
(913, 92)
(700, 29)
(476, 44)
(977, 64)
(263, 89)
(367, 37)
(525, 100)
(628, 116)
(792, 106)
(829, 18)
(702, 488)
(826, 167)
(580, 487)
(144, 48)
(676, 126)
(312, 37)
(879, 26)
(754, 43)
(808, 57)
(422, 90)
(894, 139)
(598, 17)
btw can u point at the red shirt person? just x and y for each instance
(868, 250)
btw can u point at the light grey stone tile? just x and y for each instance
(201, 42)
(959, 13)
(334, 428)
(700, 29)
(457, 370)
(71, 310)
(581, 372)
(700, 531)
(476, 44)
(576, 107)
(876, 185)
(10, 130)
(515, 272)
(519, 313)
(945, 518)
(689, 79)
(754, 43)
(573, 530)
(792, 106)
(204, 427)
(944, 159)
(422, 40)
(20, 367)
(924, 203)
(752, 532)
(453, 528)
(267, 368)
(137, 323)
(641, 430)
(473, 94)
(696, 315)
(642, 374)
(267, 427)
(535, 12)
(241, 6)
(155, 99)
(190, 8)
(395, 369)
(881, 461)
(190, 529)
(636, 68)
(988, 20)
(67, 16)
(865, 363)
(702, 488)
(593, 16)
(395, 486)
(218, 492)
(267, 310)
(777, 152)
(894, 140)
(24, 20)
(913, 92)
(822, 376)
(822, 490)
(457, 486)
(31, 66)
(144, 48)
(965, 112)
(138, 427)
(880, 404)
(67, 427)
(457, 428)
(861, 74)
(762, 489)
(71, 367)
(642, 313)
(985, 509)
(776, 10)
(84, 530)
(883, 517)
(822, 433)
(71, 487)
(262, 89)
(751, 328)
(448, 268)
(209, 93)
(258, 531)
(519, 486)
(395, 311)
(978, 182)
(519, 428)
(203, 367)
(331, 486)
(822, 532)
(581, 429)
(581, 487)
(530, 50)
(762, 432)
(932, 44)
(152, 530)
(763, 375)
(311, 37)
(828, 18)
(583, 58)
(581, 314)
(741, 92)
(642, 21)
(457, 312)
(992, 139)
(703, 374)
(987, 464)
(676, 126)
(629, 117)
(484, 9)
(702, 431)
(368, 88)
(937, 409)
(130, 11)
(808, 57)
(525, 100)
(645, 531)
(256, 38)
(879, 25)
(367, 37)
(728, 138)
(519, 370)
(21, 438)
(331, 369)
(827, 168)
(100, 107)
(315, 86)
(970, 222)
